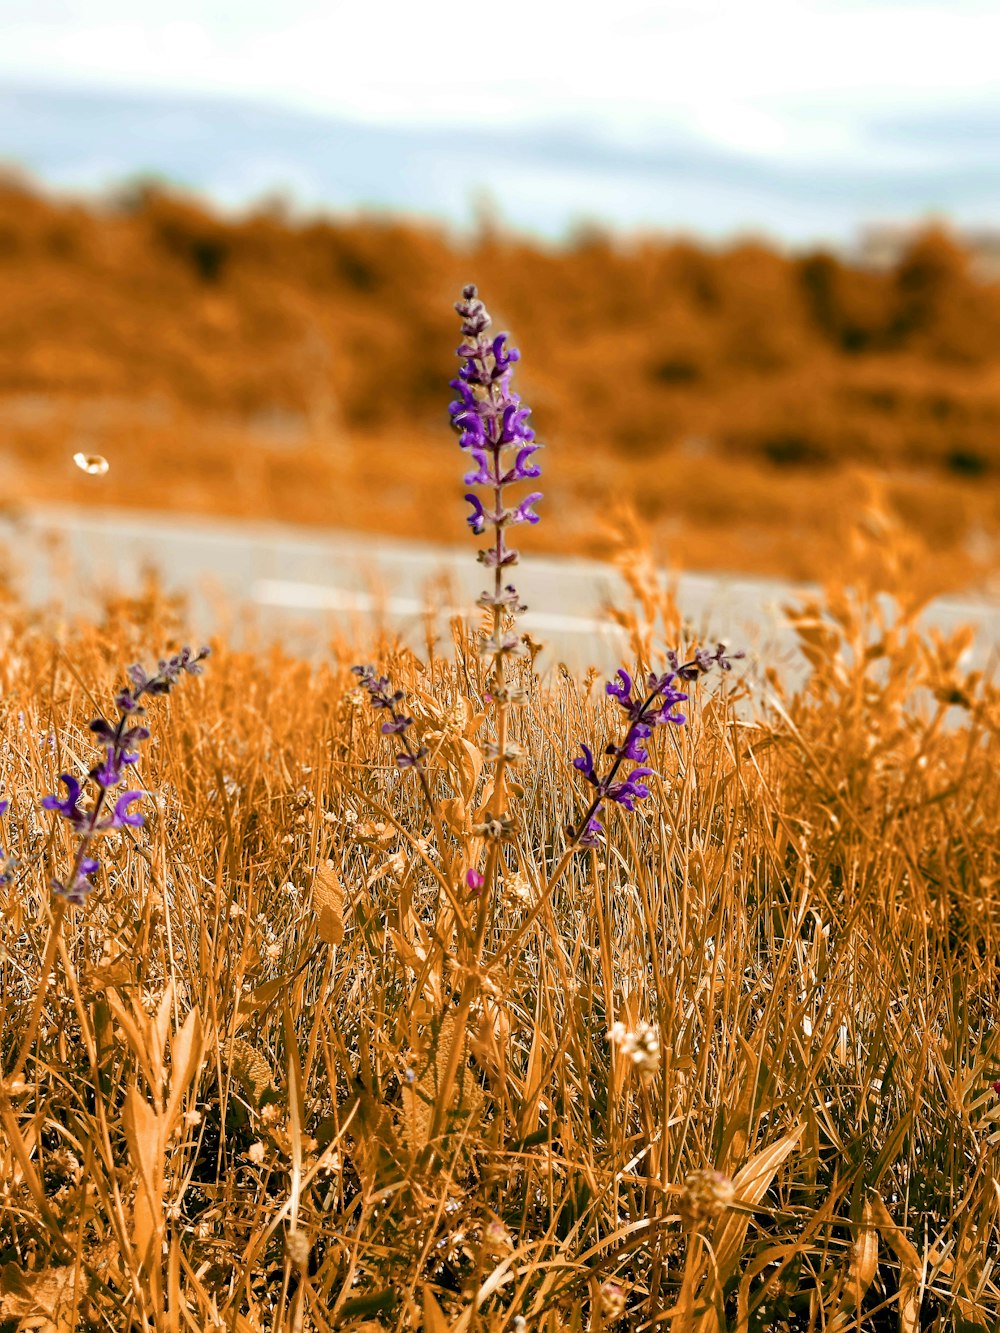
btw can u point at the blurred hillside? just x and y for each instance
(299, 370)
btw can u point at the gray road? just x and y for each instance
(282, 580)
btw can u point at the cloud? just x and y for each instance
(735, 68)
(545, 176)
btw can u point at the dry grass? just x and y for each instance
(281, 1081)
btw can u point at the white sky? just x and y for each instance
(778, 78)
(814, 115)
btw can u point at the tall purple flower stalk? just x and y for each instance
(120, 743)
(493, 429)
(653, 708)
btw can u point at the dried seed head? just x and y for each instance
(249, 1068)
(499, 827)
(517, 888)
(641, 1047)
(706, 1194)
(297, 1247)
(612, 1300)
(497, 1238)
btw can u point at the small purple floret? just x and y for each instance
(477, 519)
(122, 815)
(70, 807)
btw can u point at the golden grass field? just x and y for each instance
(285, 1071)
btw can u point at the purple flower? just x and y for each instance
(522, 469)
(502, 359)
(477, 519)
(491, 420)
(481, 477)
(508, 597)
(121, 814)
(75, 893)
(70, 807)
(620, 688)
(514, 428)
(664, 715)
(524, 513)
(592, 833)
(396, 726)
(494, 559)
(167, 675)
(414, 759)
(79, 886)
(586, 764)
(703, 661)
(631, 790)
(632, 747)
(109, 774)
(468, 403)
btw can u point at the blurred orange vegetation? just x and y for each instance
(297, 370)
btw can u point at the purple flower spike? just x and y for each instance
(490, 421)
(379, 695)
(643, 715)
(120, 744)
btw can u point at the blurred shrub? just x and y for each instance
(799, 364)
